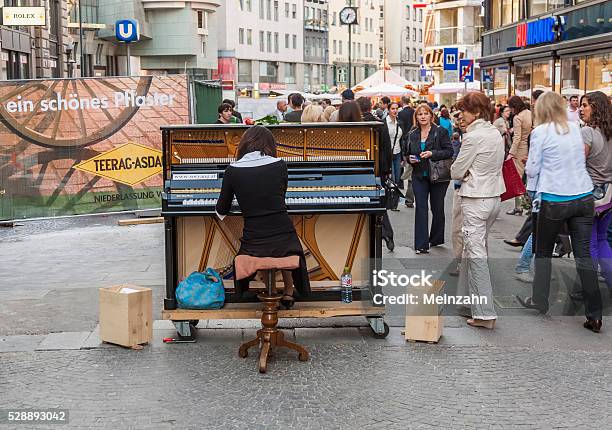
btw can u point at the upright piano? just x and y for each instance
(334, 198)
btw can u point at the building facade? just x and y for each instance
(261, 44)
(556, 45)
(452, 24)
(316, 48)
(365, 41)
(402, 32)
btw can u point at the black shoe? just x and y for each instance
(515, 212)
(528, 303)
(390, 244)
(409, 205)
(513, 242)
(422, 251)
(593, 325)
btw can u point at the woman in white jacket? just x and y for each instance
(557, 151)
(479, 168)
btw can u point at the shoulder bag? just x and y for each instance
(439, 171)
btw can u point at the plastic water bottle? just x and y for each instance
(346, 281)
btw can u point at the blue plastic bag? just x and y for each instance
(201, 290)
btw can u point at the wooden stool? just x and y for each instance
(268, 337)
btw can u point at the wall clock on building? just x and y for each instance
(348, 16)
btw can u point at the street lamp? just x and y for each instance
(348, 17)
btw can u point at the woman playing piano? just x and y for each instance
(258, 180)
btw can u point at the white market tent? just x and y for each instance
(382, 76)
(454, 87)
(386, 89)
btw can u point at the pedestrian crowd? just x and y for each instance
(562, 150)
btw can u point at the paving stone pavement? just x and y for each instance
(531, 372)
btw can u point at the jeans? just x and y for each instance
(600, 248)
(396, 168)
(478, 217)
(578, 214)
(524, 264)
(424, 191)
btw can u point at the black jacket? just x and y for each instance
(437, 142)
(386, 151)
(384, 154)
(407, 117)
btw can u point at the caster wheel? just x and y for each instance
(380, 335)
(192, 331)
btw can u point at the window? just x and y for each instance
(244, 71)
(241, 36)
(414, 34)
(269, 41)
(261, 9)
(261, 41)
(276, 42)
(249, 37)
(293, 11)
(286, 10)
(335, 45)
(359, 50)
(408, 11)
(420, 55)
(99, 49)
(573, 73)
(420, 15)
(325, 18)
(290, 73)
(535, 7)
(334, 18)
(286, 41)
(522, 79)
(275, 10)
(420, 35)
(267, 72)
(248, 5)
(204, 46)
(241, 5)
(200, 19)
(340, 47)
(294, 41)
(269, 10)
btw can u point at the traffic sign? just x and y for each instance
(126, 30)
(451, 58)
(466, 70)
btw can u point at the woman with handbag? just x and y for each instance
(430, 153)
(479, 168)
(521, 126)
(258, 180)
(596, 112)
(557, 150)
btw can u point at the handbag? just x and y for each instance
(201, 290)
(514, 184)
(439, 171)
(392, 194)
(603, 196)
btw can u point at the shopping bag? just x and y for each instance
(514, 184)
(201, 290)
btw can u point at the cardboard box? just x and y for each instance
(423, 320)
(126, 315)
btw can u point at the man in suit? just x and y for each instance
(281, 110)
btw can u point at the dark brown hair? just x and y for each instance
(476, 103)
(444, 113)
(516, 103)
(257, 138)
(223, 107)
(601, 112)
(349, 112)
(365, 104)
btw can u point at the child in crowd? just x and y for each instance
(456, 142)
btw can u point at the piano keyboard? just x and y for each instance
(228, 160)
(289, 201)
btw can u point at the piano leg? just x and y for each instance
(171, 275)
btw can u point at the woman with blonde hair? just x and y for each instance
(427, 142)
(312, 113)
(557, 151)
(327, 113)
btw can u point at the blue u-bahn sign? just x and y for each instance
(126, 30)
